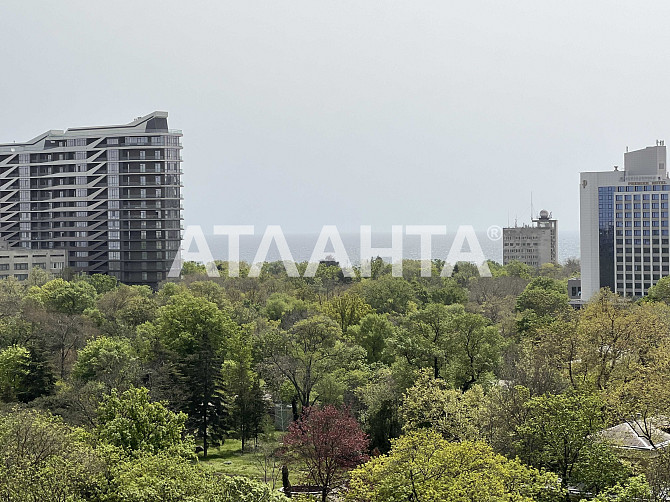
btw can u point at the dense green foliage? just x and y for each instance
(127, 390)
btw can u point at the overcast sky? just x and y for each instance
(305, 113)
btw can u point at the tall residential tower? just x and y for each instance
(624, 224)
(110, 196)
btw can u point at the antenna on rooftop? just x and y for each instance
(532, 211)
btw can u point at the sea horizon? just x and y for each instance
(301, 246)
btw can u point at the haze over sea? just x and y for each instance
(302, 245)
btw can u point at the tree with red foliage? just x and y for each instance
(329, 441)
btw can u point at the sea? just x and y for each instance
(302, 246)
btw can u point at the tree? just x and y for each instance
(101, 282)
(424, 467)
(24, 376)
(615, 336)
(164, 478)
(196, 333)
(111, 361)
(243, 388)
(371, 333)
(660, 292)
(381, 397)
(475, 350)
(56, 310)
(131, 422)
(346, 309)
(44, 459)
(543, 300)
(387, 294)
(634, 489)
(304, 355)
(14, 369)
(559, 434)
(65, 297)
(329, 441)
(430, 404)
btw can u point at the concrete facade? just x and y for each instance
(533, 245)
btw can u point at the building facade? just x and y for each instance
(18, 262)
(624, 224)
(109, 196)
(533, 245)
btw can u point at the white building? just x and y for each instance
(624, 224)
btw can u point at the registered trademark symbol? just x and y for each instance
(494, 232)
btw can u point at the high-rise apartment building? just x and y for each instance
(110, 196)
(624, 224)
(533, 245)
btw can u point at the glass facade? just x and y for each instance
(606, 236)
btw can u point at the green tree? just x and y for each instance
(44, 459)
(65, 297)
(242, 384)
(131, 422)
(304, 355)
(101, 282)
(371, 333)
(346, 309)
(164, 478)
(430, 404)
(196, 333)
(112, 361)
(559, 434)
(660, 292)
(23, 375)
(425, 467)
(55, 310)
(387, 294)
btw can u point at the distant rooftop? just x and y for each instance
(153, 122)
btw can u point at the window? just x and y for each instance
(114, 255)
(20, 266)
(143, 155)
(143, 168)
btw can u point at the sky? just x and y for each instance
(311, 113)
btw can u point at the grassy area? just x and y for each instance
(229, 459)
